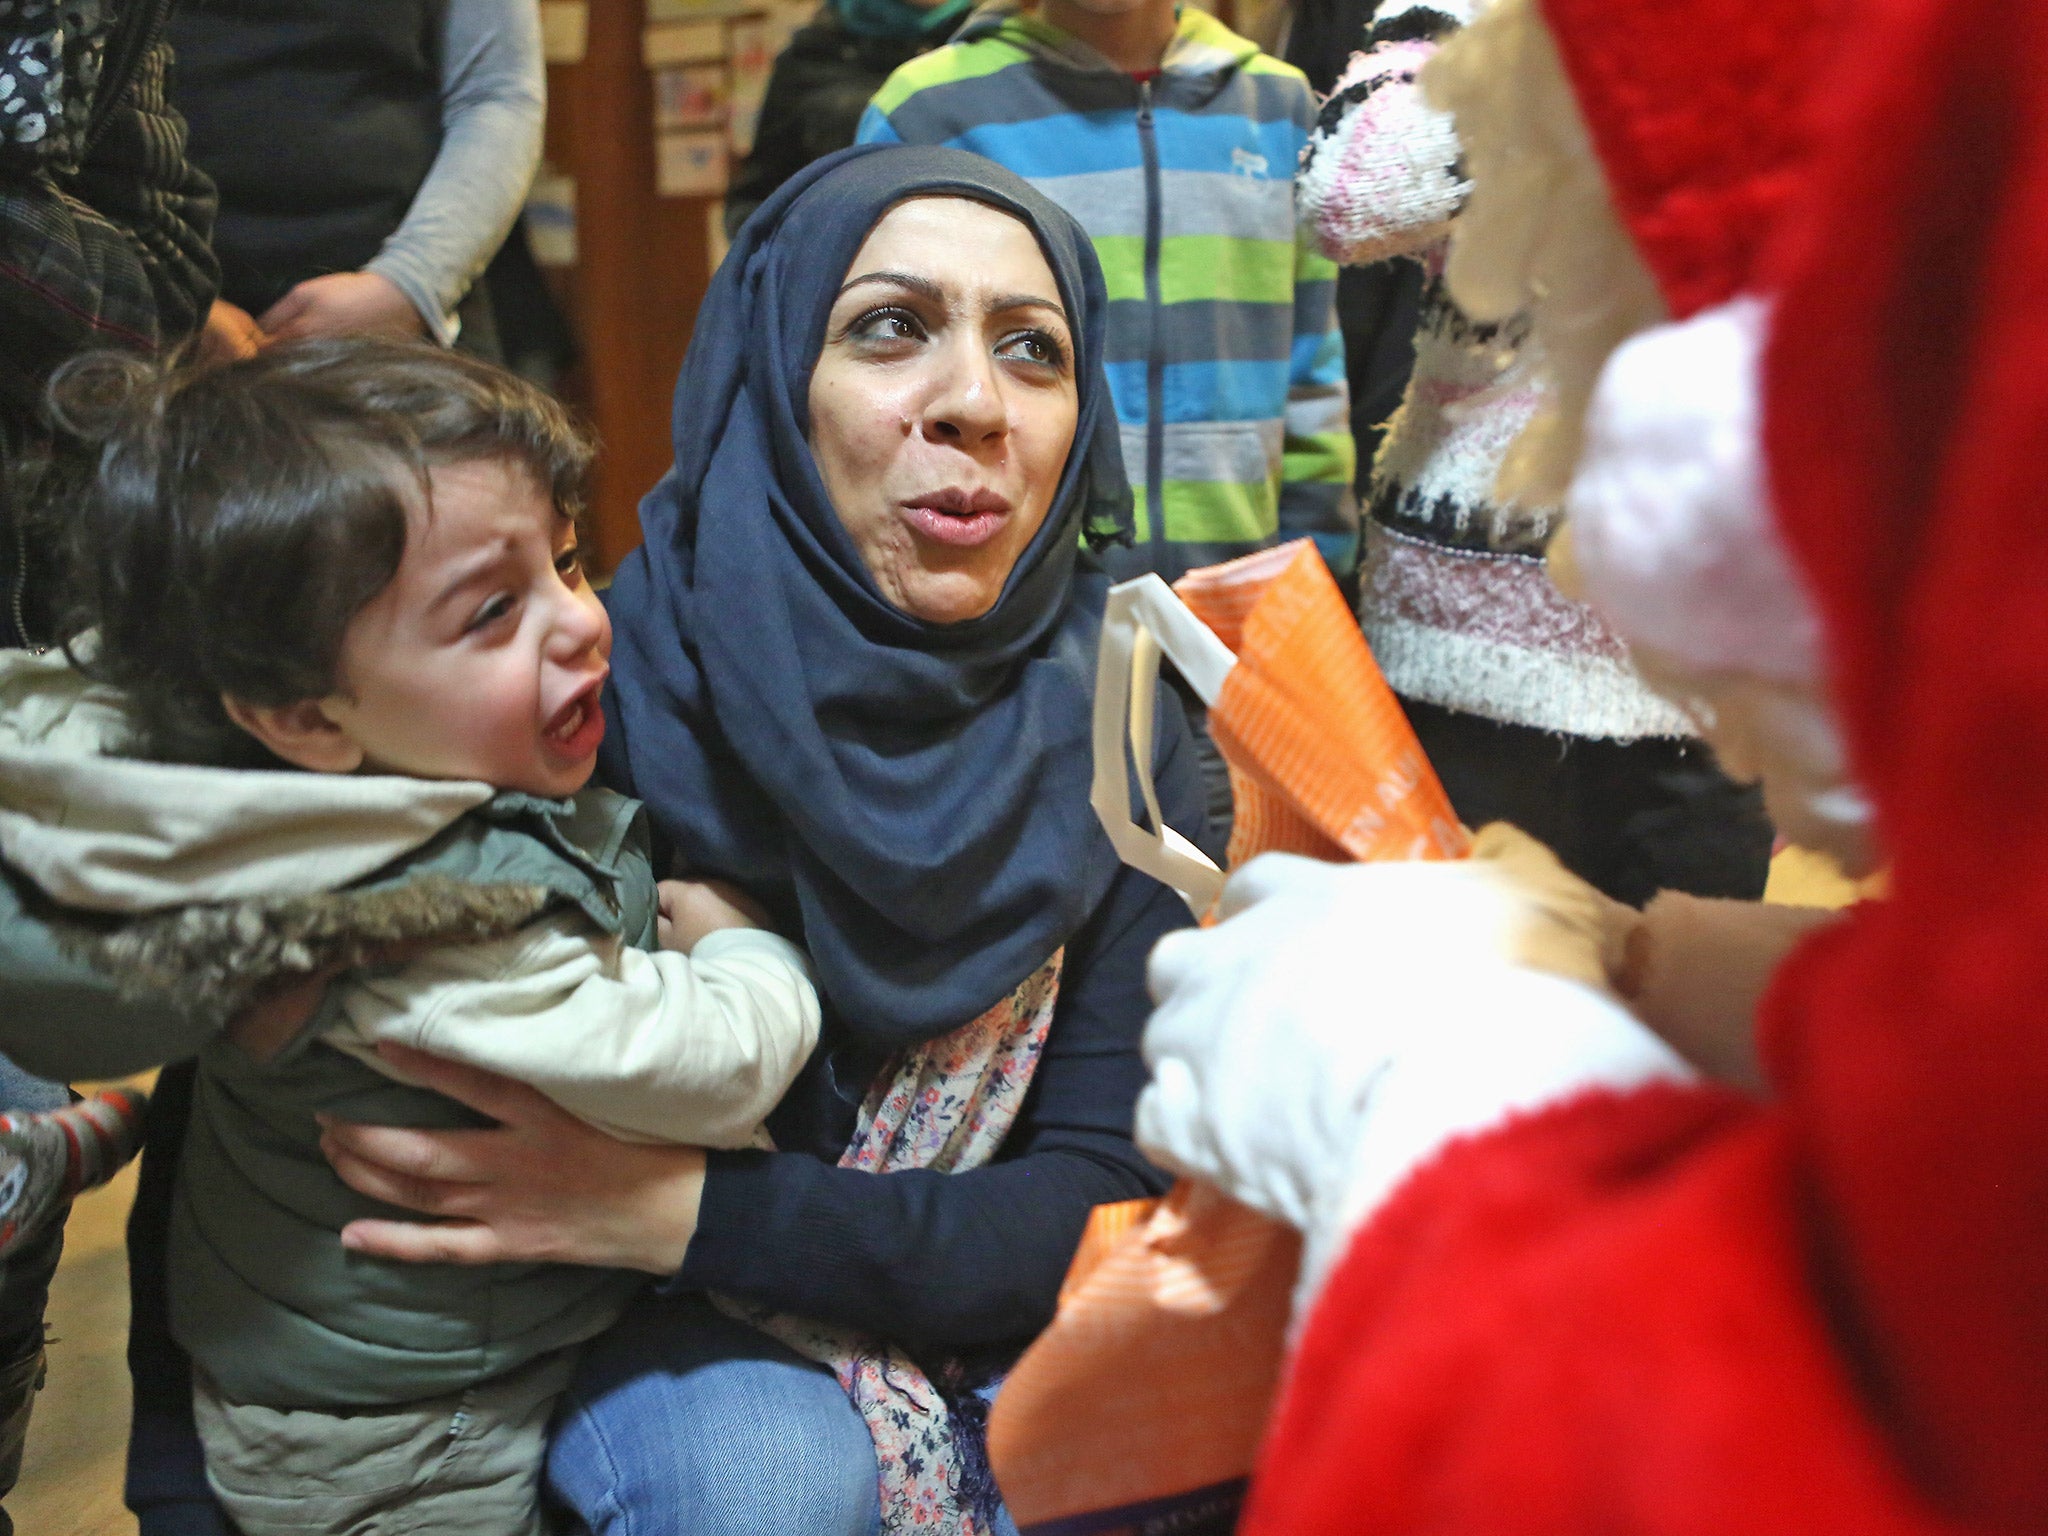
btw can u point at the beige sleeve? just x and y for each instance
(657, 1046)
(1696, 968)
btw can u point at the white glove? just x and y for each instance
(1344, 1022)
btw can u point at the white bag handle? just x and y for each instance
(1143, 618)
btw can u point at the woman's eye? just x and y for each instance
(886, 325)
(1040, 347)
(490, 613)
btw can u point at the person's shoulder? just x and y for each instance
(967, 60)
(1265, 65)
(1203, 42)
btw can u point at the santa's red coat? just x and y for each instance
(1677, 1311)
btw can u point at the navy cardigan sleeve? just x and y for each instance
(958, 1260)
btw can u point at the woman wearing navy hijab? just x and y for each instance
(853, 669)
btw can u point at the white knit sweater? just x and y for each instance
(1454, 598)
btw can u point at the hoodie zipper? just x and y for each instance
(18, 598)
(1155, 356)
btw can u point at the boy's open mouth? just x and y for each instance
(569, 721)
(578, 726)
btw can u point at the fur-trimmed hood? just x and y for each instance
(100, 832)
(197, 887)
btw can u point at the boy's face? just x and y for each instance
(484, 656)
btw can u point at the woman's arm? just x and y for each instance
(538, 1186)
(493, 107)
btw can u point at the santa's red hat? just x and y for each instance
(1703, 115)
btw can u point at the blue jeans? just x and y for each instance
(682, 1422)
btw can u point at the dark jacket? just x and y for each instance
(318, 120)
(819, 88)
(1378, 306)
(104, 225)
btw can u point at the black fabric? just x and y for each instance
(166, 1481)
(1377, 305)
(103, 243)
(1218, 799)
(534, 338)
(1377, 310)
(25, 1277)
(910, 797)
(820, 85)
(318, 119)
(1323, 34)
(1632, 818)
(21, 1377)
(1419, 24)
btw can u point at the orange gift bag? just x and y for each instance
(1141, 1408)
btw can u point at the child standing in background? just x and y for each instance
(1174, 142)
(339, 713)
(1528, 705)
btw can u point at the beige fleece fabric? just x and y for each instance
(116, 834)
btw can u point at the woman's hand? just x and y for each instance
(343, 304)
(540, 1186)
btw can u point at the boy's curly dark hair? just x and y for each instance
(241, 515)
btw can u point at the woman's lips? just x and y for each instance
(960, 518)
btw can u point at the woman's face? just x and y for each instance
(943, 404)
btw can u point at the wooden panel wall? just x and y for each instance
(642, 266)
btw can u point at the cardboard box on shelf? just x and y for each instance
(714, 232)
(690, 164)
(750, 58)
(564, 30)
(551, 218)
(690, 96)
(683, 42)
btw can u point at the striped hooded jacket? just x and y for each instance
(1224, 357)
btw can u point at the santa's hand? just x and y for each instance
(1344, 1022)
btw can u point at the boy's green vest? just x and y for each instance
(261, 1291)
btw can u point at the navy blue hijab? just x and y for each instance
(913, 795)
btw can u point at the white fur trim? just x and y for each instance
(1671, 522)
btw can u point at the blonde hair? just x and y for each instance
(1540, 231)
